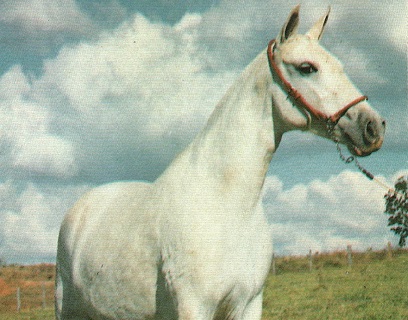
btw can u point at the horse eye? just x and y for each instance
(306, 68)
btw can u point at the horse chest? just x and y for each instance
(218, 254)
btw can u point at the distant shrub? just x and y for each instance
(333, 263)
(292, 264)
(396, 206)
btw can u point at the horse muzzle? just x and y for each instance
(365, 135)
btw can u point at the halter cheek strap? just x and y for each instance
(330, 121)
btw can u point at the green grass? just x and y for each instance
(47, 314)
(374, 289)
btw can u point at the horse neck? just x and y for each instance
(231, 155)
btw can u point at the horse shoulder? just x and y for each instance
(105, 220)
(104, 201)
(108, 243)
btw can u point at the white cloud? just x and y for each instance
(327, 215)
(26, 142)
(45, 155)
(359, 65)
(39, 16)
(31, 218)
(142, 88)
(13, 84)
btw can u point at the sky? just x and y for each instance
(98, 91)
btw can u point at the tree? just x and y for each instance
(396, 205)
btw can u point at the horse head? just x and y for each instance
(316, 94)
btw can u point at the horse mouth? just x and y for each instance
(362, 151)
(365, 136)
(356, 151)
(353, 148)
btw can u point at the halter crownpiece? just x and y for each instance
(299, 100)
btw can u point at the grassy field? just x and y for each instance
(375, 286)
(36, 314)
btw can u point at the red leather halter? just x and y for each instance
(298, 99)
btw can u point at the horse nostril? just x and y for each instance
(370, 131)
(373, 132)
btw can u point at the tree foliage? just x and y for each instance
(396, 206)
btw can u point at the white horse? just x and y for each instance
(195, 244)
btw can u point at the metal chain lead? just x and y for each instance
(330, 125)
(351, 159)
(347, 159)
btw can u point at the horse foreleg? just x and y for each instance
(189, 307)
(253, 310)
(193, 312)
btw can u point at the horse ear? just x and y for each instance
(290, 27)
(316, 31)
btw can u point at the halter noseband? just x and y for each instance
(330, 121)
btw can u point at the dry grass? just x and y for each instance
(30, 280)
